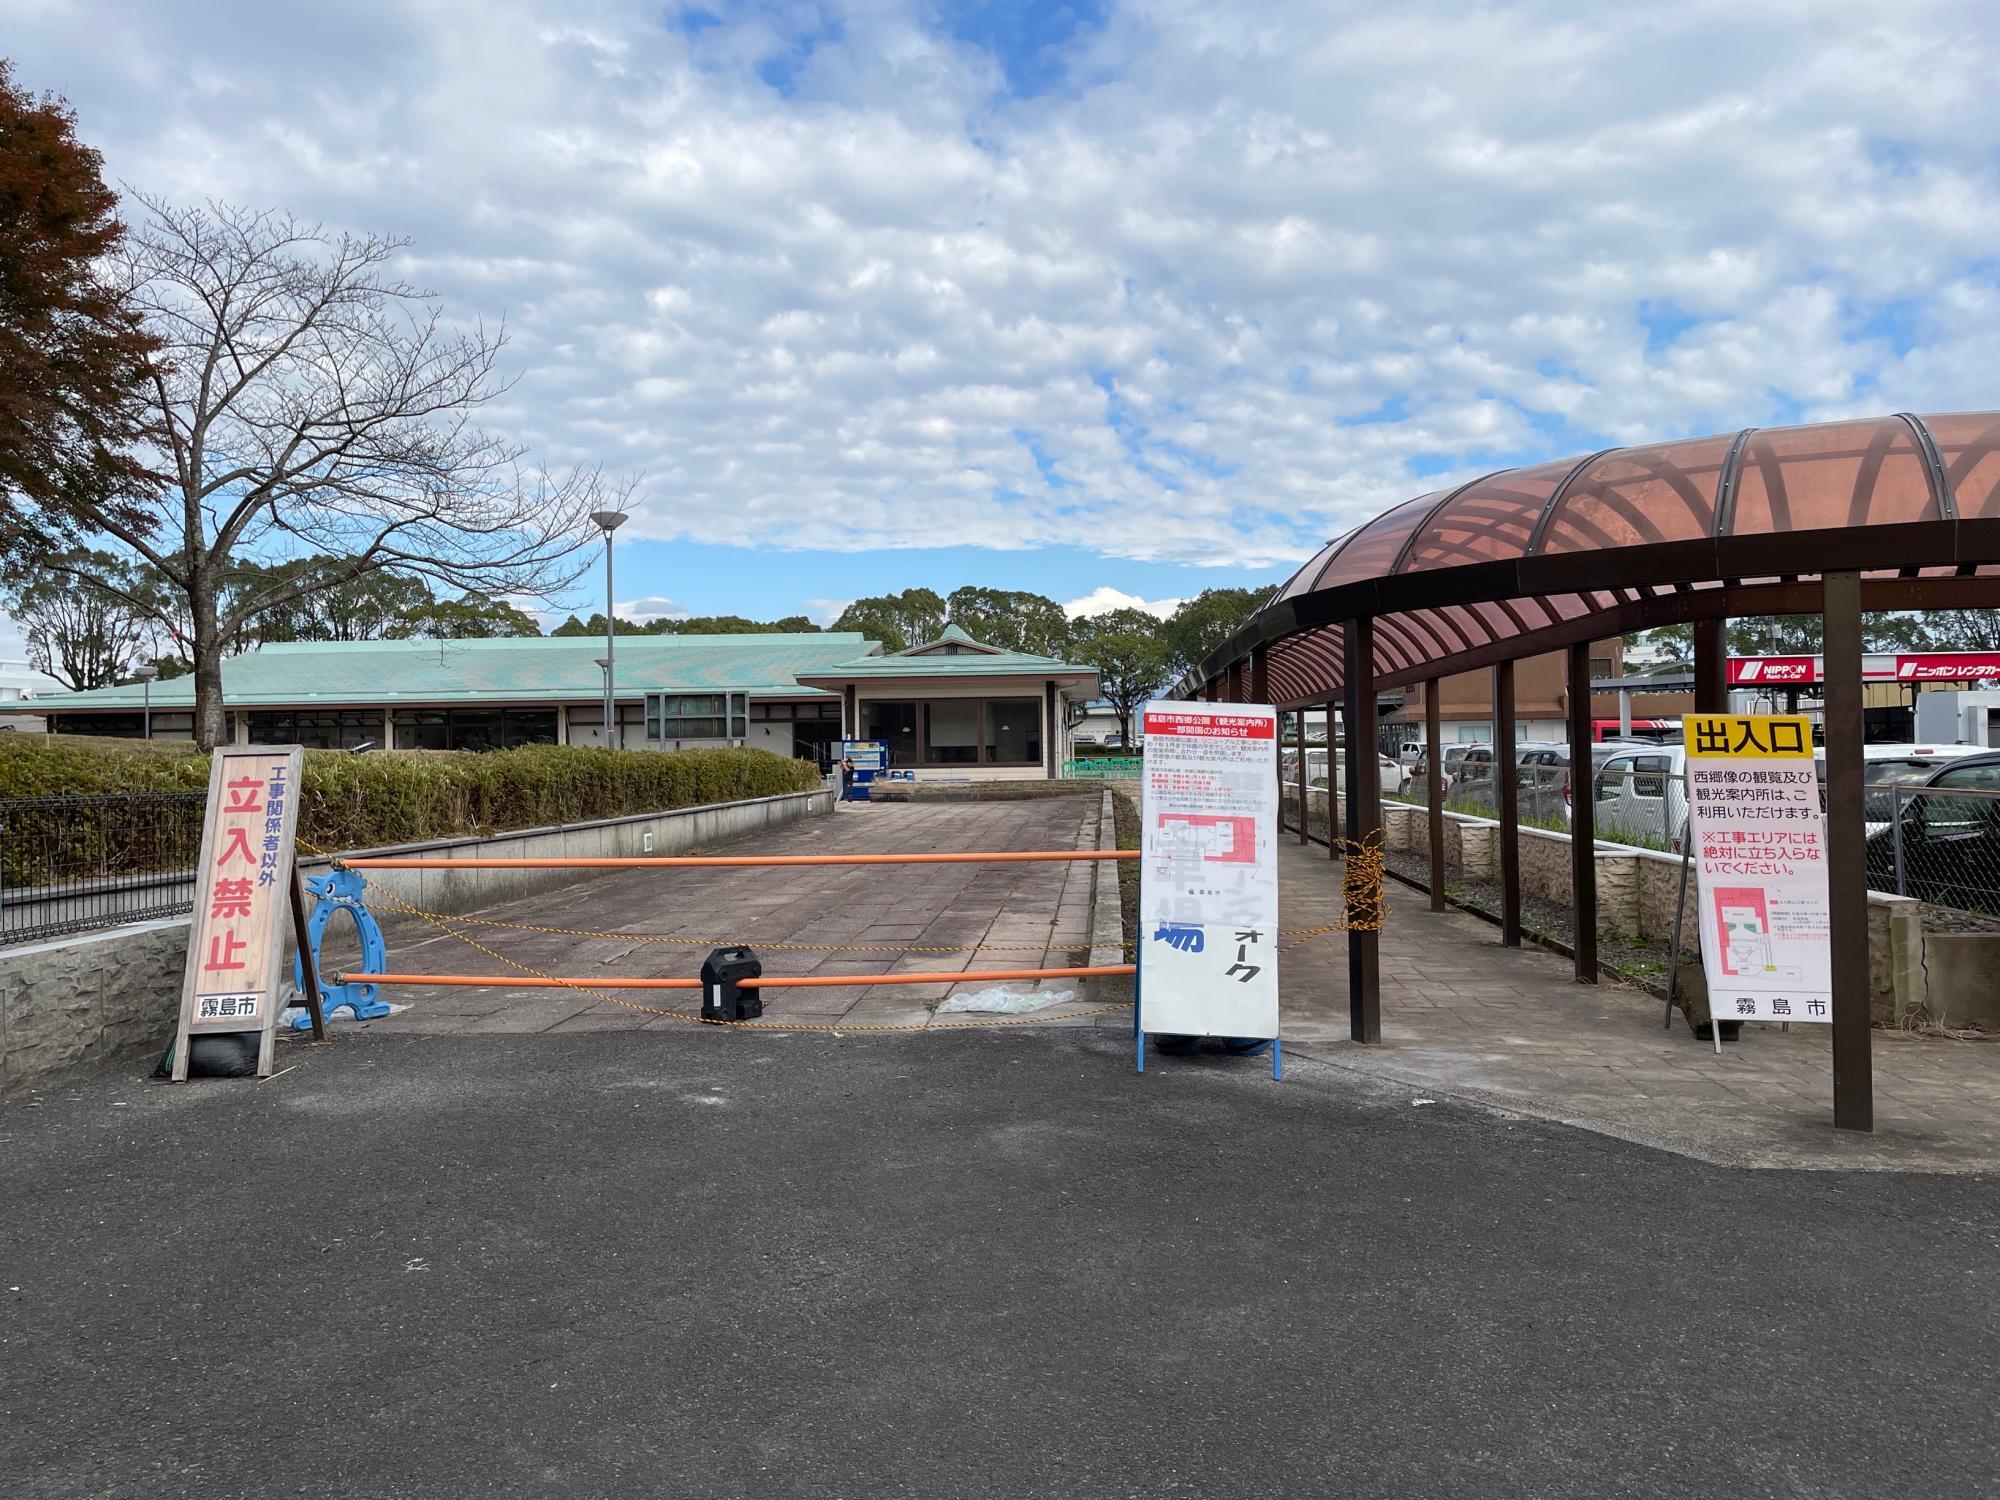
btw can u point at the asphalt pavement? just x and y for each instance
(730, 1264)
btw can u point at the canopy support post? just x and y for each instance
(1305, 804)
(1711, 668)
(1333, 823)
(1846, 853)
(1507, 790)
(1434, 788)
(1364, 816)
(1582, 816)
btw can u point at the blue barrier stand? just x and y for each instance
(337, 891)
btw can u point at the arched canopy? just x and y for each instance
(1533, 559)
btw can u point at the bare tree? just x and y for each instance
(310, 402)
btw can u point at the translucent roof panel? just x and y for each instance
(1491, 518)
(1665, 493)
(1969, 444)
(1834, 474)
(1373, 549)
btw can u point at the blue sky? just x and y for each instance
(1137, 296)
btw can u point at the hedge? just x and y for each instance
(361, 801)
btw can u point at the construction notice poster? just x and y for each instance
(1760, 864)
(1208, 881)
(242, 899)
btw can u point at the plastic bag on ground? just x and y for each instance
(999, 1000)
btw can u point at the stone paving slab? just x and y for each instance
(1039, 914)
(1511, 1028)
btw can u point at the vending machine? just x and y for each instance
(870, 758)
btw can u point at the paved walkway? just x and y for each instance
(1034, 915)
(1464, 1016)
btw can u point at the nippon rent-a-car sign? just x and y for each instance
(1906, 666)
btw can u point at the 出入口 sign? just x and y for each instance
(242, 899)
(1759, 852)
(1208, 881)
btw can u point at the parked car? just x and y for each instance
(1392, 774)
(1541, 773)
(1454, 757)
(1886, 767)
(1942, 845)
(1641, 795)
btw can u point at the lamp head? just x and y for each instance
(146, 674)
(609, 520)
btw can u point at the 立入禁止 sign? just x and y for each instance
(242, 898)
(1759, 853)
(1208, 881)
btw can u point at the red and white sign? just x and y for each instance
(1948, 666)
(1907, 666)
(1225, 726)
(1208, 872)
(242, 898)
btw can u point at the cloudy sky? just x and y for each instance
(1137, 297)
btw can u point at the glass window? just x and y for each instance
(951, 732)
(895, 724)
(1611, 780)
(529, 726)
(1651, 778)
(1977, 778)
(696, 716)
(1014, 731)
(421, 729)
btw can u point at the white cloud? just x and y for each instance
(649, 609)
(823, 612)
(1102, 600)
(1257, 272)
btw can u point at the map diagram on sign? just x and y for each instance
(1210, 838)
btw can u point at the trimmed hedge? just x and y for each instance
(361, 801)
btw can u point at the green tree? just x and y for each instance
(468, 617)
(82, 634)
(75, 362)
(1132, 660)
(1204, 622)
(1012, 619)
(898, 621)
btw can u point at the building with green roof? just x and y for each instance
(794, 694)
(956, 707)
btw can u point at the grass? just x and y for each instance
(1125, 830)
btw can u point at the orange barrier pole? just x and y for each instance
(709, 861)
(801, 981)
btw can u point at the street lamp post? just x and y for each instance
(610, 521)
(146, 676)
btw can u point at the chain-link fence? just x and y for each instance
(1938, 844)
(70, 864)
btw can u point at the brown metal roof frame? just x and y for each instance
(1555, 599)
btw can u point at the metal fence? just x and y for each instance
(1939, 844)
(1103, 768)
(70, 864)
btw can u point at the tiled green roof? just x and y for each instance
(532, 669)
(987, 663)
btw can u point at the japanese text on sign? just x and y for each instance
(1208, 894)
(241, 894)
(1759, 852)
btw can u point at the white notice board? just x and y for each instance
(1208, 873)
(1760, 865)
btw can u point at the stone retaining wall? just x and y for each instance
(82, 1001)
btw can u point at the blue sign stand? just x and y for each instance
(338, 891)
